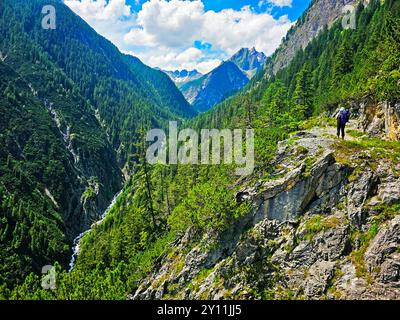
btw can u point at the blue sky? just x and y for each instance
(190, 34)
(293, 12)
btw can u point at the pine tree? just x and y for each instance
(343, 63)
(388, 80)
(303, 93)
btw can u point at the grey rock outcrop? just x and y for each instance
(384, 250)
(380, 119)
(317, 188)
(318, 278)
(389, 192)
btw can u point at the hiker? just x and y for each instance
(342, 118)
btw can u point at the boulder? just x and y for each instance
(386, 243)
(389, 193)
(319, 276)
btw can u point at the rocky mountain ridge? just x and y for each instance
(320, 14)
(180, 77)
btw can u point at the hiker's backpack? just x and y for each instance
(344, 116)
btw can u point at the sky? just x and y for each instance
(190, 34)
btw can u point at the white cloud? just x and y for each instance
(189, 55)
(244, 28)
(162, 33)
(208, 65)
(100, 9)
(172, 23)
(167, 59)
(112, 18)
(280, 3)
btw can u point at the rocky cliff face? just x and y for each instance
(321, 13)
(380, 119)
(326, 224)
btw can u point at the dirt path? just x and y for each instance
(330, 131)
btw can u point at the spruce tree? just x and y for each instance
(303, 93)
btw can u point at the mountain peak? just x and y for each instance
(215, 86)
(250, 61)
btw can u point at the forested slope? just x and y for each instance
(121, 88)
(71, 109)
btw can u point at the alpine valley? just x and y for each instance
(205, 92)
(319, 218)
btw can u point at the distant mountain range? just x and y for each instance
(212, 88)
(183, 76)
(204, 92)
